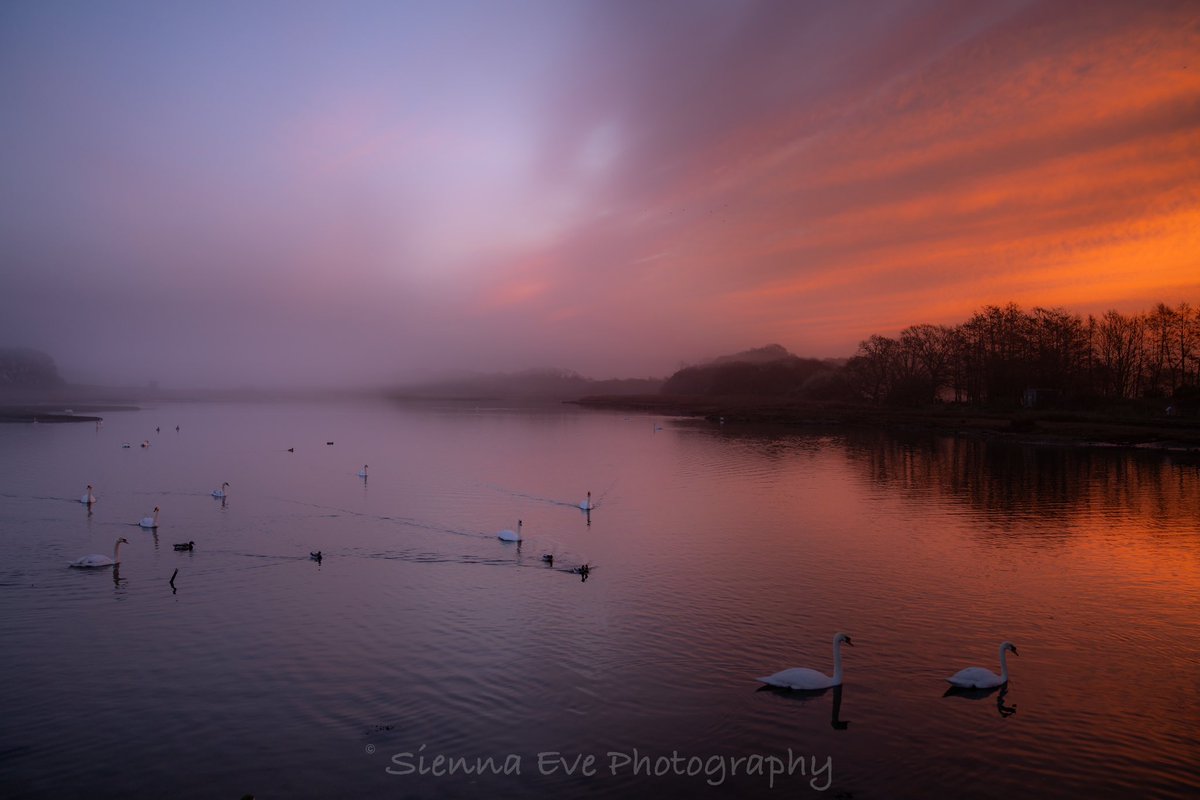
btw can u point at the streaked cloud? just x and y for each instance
(352, 193)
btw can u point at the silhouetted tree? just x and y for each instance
(874, 368)
(928, 351)
(25, 368)
(1120, 353)
(1060, 344)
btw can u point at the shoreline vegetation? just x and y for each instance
(1044, 376)
(1143, 428)
(1024, 426)
(56, 412)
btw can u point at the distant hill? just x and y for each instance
(758, 355)
(537, 384)
(763, 372)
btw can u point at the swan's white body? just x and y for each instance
(150, 522)
(97, 560)
(507, 535)
(980, 678)
(810, 679)
(220, 492)
(362, 473)
(586, 505)
(88, 498)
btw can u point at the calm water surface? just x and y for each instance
(719, 554)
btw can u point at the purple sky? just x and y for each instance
(264, 193)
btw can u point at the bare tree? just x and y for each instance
(1120, 353)
(1060, 345)
(929, 350)
(874, 367)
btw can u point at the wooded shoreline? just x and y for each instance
(55, 413)
(1059, 427)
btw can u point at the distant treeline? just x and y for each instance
(1001, 356)
(545, 384)
(25, 368)
(1007, 355)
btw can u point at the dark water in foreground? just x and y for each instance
(718, 555)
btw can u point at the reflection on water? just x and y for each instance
(803, 696)
(1009, 482)
(1000, 692)
(709, 552)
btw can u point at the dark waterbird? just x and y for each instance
(315, 556)
(185, 546)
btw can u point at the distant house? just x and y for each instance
(1040, 398)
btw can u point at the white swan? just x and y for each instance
(980, 678)
(586, 505)
(88, 498)
(220, 492)
(804, 678)
(97, 560)
(507, 535)
(362, 473)
(150, 522)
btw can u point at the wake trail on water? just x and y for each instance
(596, 498)
(400, 520)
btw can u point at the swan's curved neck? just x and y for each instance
(1003, 664)
(837, 661)
(116, 548)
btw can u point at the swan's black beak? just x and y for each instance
(849, 642)
(1015, 653)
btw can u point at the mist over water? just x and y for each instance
(717, 554)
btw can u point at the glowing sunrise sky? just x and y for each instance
(219, 193)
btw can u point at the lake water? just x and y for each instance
(718, 554)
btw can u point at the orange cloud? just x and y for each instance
(1048, 167)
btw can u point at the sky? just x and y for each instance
(316, 193)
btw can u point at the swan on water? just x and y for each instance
(362, 473)
(97, 560)
(220, 492)
(88, 498)
(507, 535)
(980, 678)
(804, 678)
(150, 522)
